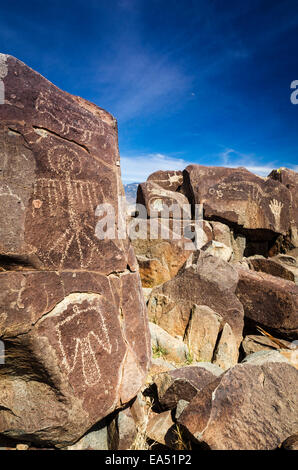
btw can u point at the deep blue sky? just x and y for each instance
(204, 81)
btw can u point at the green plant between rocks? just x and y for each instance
(159, 351)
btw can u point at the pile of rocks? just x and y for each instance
(76, 336)
(240, 275)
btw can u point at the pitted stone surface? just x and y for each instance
(73, 318)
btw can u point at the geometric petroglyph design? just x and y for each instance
(71, 119)
(78, 193)
(81, 335)
(276, 207)
(216, 192)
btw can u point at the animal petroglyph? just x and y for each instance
(276, 207)
(172, 179)
(48, 193)
(83, 336)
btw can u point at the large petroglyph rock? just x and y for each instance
(289, 178)
(72, 313)
(161, 192)
(237, 196)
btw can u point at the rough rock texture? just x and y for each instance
(181, 384)
(251, 407)
(158, 201)
(181, 405)
(73, 316)
(96, 439)
(226, 354)
(291, 443)
(174, 348)
(282, 266)
(269, 302)
(202, 332)
(218, 249)
(237, 196)
(159, 365)
(221, 233)
(204, 280)
(161, 429)
(122, 431)
(281, 355)
(289, 179)
(255, 343)
(160, 258)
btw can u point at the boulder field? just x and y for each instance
(169, 336)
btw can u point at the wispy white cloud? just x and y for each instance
(137, 169)
(232, 158)
(139, 82)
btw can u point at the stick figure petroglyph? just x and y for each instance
(276, 207)
(48, 193)
(82, 336)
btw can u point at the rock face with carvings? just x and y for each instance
(289, 179)
(237, 196)
(73, 317)
(161, 192)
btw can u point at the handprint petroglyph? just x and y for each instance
(276, 207)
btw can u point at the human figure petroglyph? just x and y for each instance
(276, 207)
(81, 336)
(48, 193)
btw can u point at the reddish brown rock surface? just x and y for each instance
(160, 258)
(269, 302)
(204, 280)
(73, 317)
(289, 179)
(161, 191)
(237, 196)
(250, 407)
(282, 266)
(181, 384)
